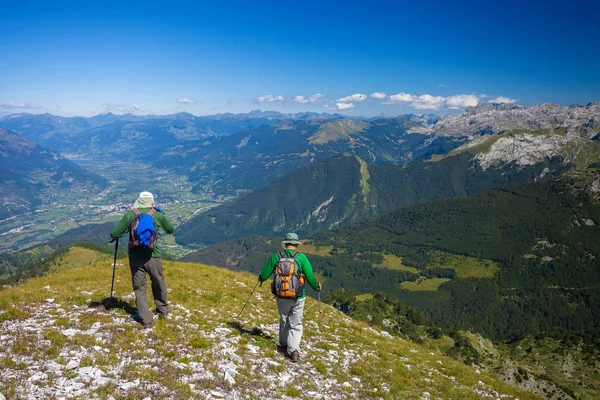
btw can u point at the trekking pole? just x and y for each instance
(255, 286)
(112, 285)
(320, 311)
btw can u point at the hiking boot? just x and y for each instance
(295, 356)
(147, 329)
(282, 349)
(135, 317)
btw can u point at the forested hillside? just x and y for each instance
(507, 262)
(344, 188)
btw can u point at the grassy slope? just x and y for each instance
(192, 347)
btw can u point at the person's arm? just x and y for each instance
(122, 226)
(309, 274)
(164, 223)
(268, 268)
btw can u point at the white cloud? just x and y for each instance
(300, 99)
(502, 99)
(378, 95)
(354, 97)
(270, 99)
(312, 99)
(429, 102)
(185, 100)
(401, 98)
(16, 106)
(344, 106)
(462, 100)
(317, 98)
(120, 108)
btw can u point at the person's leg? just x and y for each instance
(284, 306)
(138, 278)
(294, 319)
(159, 287)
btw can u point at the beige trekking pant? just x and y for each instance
(290, 323)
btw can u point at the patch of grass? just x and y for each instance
(24, 345)
(364, 297)
(7, 363)
(57, 340)
(13, 313)
(424, 284)
(292, 391)
(309, 248)
(62, 321)
(85, 341)
(465, 267)
(199, 342)
(320, 366)
(391, 261)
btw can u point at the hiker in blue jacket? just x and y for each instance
(144, 254)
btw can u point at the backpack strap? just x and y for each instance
(152, 211)
(136, 212)
(280, 254)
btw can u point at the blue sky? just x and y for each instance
(357, 58)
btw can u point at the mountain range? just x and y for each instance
(341, 189)
(30, 174)
(485, 222)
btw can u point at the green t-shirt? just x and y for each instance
(304, 267)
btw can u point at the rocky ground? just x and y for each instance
(54, 345)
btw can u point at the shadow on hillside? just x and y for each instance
(110, 303)
(256, 331)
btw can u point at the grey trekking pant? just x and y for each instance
(290, 323)
(141, 265)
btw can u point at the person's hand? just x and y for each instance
(319, 286)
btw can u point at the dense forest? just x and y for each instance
(342, 189)
(540, 238)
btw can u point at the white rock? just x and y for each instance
(228, 378)
(102, 380)
(72, 364)
(235, 358)
(127, 385)
(49, 301)
(38, 376)
(346, 384)
(217, 394)
(70, 332)
(52, 366)
(253, 349)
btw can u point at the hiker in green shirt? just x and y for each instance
(291, 309)
(144, 261)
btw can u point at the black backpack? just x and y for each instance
(288, 282)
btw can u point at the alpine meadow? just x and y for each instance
(382, 200)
